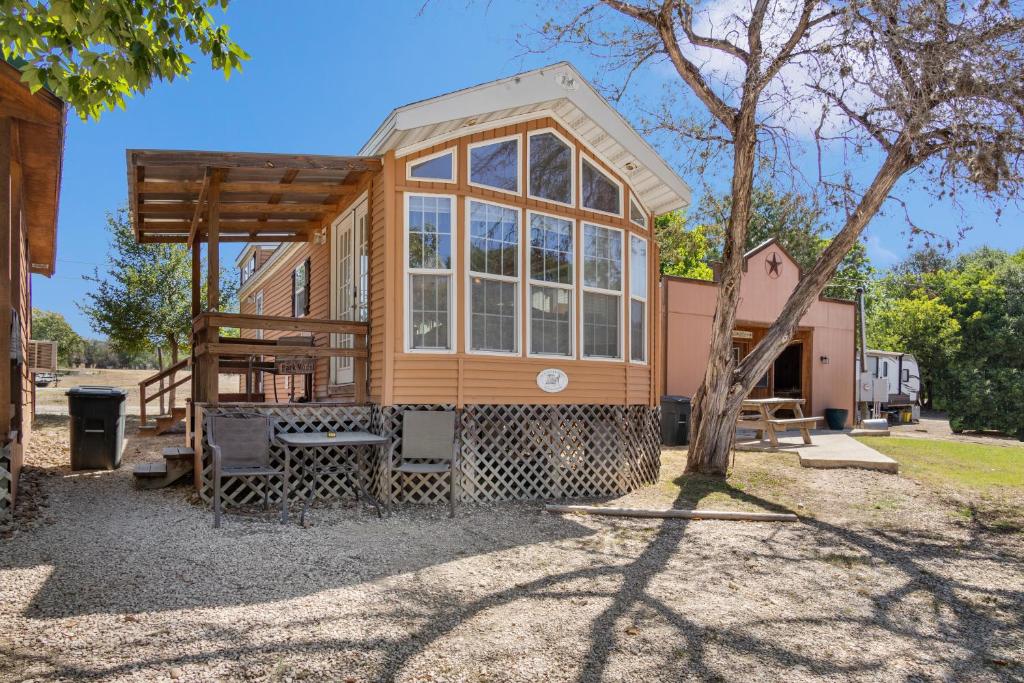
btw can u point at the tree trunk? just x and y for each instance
(718, 401)
(713, 429)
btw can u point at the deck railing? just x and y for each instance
(167, 382)
(214, 353)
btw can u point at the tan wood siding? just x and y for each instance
(464, 377)
(378, 300)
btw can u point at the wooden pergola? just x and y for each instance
(193, 196)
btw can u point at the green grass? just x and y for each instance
(987, 482)
(973, 466)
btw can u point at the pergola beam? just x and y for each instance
(200, 205)
(312, 162)
(187, 209)
(227, 226)
(188, 187)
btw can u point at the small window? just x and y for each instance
(551, 285)
(437, 167)
(598, 191)
(637, 213)
(259, 311)
(602, 287)
(248, 268)
(550, 168)
(637, 299)
(495, 165)
(300, 290)
(428, 229)
(494, 277)
(885, 368)
(905, 376)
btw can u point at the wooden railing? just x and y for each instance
(214, 353)
(166, 384)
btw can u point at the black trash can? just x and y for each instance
(97, 427)
(675, 420)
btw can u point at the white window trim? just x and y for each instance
(295, 290)
(519, 164)
(454, 151)
(572, 168)
(407, 271)
(646, 225)
(258, 301)
(644, 299)
(597, 167)
(571, 288)
(467, 318)
(621, 293)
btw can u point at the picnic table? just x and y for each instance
(759, 414)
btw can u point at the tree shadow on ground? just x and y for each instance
(972, 636)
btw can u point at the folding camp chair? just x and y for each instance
(428, 447)
(241, 448)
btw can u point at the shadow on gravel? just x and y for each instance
(975, 624)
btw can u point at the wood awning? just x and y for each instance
(175, 195)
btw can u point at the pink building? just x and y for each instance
(816, 366)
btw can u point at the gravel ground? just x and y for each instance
(880, 581)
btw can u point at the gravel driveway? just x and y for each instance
(878, 582)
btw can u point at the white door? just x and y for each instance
(351, 297)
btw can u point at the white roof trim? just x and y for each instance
(545, 86)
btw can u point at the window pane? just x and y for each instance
(637, 329)
(602, 258)
(428, 311)
(493, 239)
(550, 168)
(495, 165)
(597, 191)
(438, 168)
(430, 232)
(637, 267)
(636, 214)
(550, 320)
(551, 249)
(600, 325)
(493, 315)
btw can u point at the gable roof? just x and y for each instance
(764, 245)
(558, 91)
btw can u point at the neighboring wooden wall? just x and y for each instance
(467, 378)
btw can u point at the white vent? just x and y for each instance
(42, 355)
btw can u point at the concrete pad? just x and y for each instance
(827, 450)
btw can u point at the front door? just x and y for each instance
(351, 296)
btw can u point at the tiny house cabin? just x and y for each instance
(489, 251)
(31, 156)
(816, 366)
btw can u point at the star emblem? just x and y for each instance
(773, 264)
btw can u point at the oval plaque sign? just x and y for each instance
(552, 380)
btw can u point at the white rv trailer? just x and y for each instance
(892, 379)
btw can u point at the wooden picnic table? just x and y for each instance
(759, 414)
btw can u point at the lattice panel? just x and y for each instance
(6, 483)
(291, 418)
(508, 452)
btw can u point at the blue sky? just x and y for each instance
(323, 75)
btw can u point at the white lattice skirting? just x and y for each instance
(508, 452)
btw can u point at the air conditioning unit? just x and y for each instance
(42, 355)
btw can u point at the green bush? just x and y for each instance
(987, 398)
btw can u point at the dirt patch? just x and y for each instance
(880, 581)
(52, 399)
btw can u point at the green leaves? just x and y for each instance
(53, 326)
(96, 53)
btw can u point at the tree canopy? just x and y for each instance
(143, 303)
(95, 53)
(53, 326)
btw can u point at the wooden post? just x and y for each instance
(197, 305)
(212, 364)
(142, 404)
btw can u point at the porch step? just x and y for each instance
(177, 463)
(165, 423)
